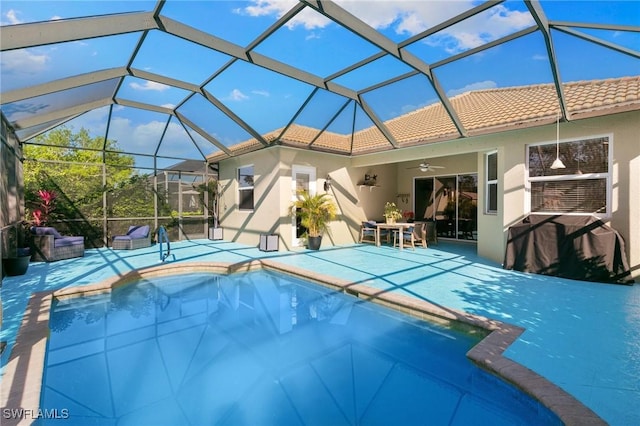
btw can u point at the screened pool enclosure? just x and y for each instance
(125, 109)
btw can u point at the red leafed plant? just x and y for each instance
(408, 215)
(47, 206)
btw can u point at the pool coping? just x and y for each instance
(22, 381)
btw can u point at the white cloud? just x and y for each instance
(538, 57)
(406, 109)
(141, 138)
(269, 7)
(313, 35)
(149, 85)
(410, 17)
(12, 18)
(94, 121)
(480, 85)
(264, 93)
(307, 18)
(23, 61)
(490, 25)
(236, 95)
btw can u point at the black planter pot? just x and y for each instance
(313, 243)
(16, 265)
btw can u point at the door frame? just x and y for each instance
(303, 170)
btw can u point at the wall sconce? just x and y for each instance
(403, 197)
(327, 184)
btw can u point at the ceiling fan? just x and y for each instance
(426, 167)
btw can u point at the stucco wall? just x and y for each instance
(357, 203)
(626, 182)
(273, 195)
(625, 218)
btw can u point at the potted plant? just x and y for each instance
(391, 212)
(408, 216)
(18, 263)
(315, 212)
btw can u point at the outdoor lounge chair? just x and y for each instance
(135, 238)
(49, 245)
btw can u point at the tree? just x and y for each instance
(71, 164)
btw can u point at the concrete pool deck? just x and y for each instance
(584, 337)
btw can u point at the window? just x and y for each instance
(582, 187)
(245, 188)
(449, 201)
(491, 184)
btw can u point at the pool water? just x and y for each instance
(260, 348)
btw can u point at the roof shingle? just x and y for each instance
(480, 112)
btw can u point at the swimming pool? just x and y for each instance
(261, 347)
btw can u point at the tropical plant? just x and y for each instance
(42, 214)
(315, 212)
(391, 211)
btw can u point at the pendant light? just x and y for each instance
(558, 164)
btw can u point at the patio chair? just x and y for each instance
(49, 245)
(420, 234)
(135, 238)
(408, 236)
(368, 232)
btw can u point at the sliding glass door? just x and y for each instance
(451, 202)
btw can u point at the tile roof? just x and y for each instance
(480, 112)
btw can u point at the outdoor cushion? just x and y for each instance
(68, 241)
(138, 231)
(46, 230)
(122, 238)
(371, 225)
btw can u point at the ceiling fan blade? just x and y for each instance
(425, 167)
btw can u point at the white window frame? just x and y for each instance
(488, 182)
(607, 176)
(248, 188)
(295, 170)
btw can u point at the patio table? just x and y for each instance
(398, 226)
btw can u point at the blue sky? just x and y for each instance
(266, 100)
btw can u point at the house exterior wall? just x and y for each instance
(625, 132)
(273, 195)
(357, 203)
